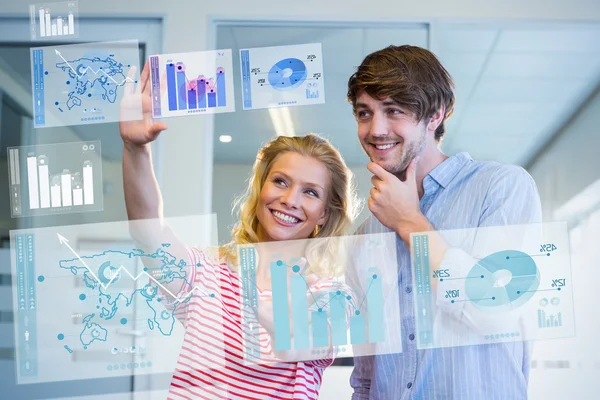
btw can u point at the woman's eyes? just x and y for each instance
(280, 181)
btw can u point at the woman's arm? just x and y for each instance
(143, 198)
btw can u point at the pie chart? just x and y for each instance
(506, 279)
(287, 74)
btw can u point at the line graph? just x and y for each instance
(95, 72)
(83, 83)
(178, 299)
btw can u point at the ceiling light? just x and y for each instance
(282, 121)
(225, 138)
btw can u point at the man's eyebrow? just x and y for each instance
(391, 103)
(360, 105)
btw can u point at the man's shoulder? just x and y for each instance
(493, 172)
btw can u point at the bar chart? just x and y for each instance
(330, 315)
(549, 320)
(54, 20)
(59, 178)
(199, 82)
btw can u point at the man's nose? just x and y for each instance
(378, 126)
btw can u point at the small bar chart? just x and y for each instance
(54, 20)
(199, 82)
(327, 315)
(549, 320)
(74, 185)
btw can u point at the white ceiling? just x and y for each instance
(515, 87)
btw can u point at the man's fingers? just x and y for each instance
(371, 204)
(375, 181)
(378, 171)
(373, 193)
(411, 171)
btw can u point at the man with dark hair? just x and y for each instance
(401, 97)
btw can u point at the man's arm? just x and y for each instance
(360, 380)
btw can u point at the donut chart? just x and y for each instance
(504, 279)
(287, 74)
(107, 273)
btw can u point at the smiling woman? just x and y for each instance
(300, 189)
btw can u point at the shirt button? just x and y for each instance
(411, 336)
(408, 289)
(409, 385)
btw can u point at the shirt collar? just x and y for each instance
(447, 170)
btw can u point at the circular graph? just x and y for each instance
(106, 273)
(504, 279)
(287, 74)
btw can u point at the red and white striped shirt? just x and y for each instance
(211, 363)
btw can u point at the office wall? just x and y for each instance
(570, 163)
(187, 152)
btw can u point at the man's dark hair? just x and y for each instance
(411, 76)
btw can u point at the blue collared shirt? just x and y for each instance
(458, 193)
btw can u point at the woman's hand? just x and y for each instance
(137, 133)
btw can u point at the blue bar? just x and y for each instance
(281, 313)
(319, 325)
(250, 296)
(299, 312)
(358, 332)
(27, 325)
(246, 79)
(337, 311)
(32, 302)
(38, 85)
(375, 306)
(182, 90)
(221, 92)
(540, 318)
(559, 319)
(155, 74)
(171, 87)
(192, 98)
(212, 98)
(201, 87)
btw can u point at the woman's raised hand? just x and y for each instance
(139, 132)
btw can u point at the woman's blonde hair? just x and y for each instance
(342, 205)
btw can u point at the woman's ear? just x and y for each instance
(321, 221)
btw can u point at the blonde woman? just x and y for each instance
(300, 188)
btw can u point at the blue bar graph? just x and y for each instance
(319, 325)
(375, 305)
(171, 87)
(358, 332)
(192, 98)
(182, 86)
(337, 311)
(212, 98)
(281, 315)
(221, 91)
(299, 312)
(201, 91)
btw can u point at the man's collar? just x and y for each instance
(447, 169)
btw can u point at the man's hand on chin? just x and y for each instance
(396, 203)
